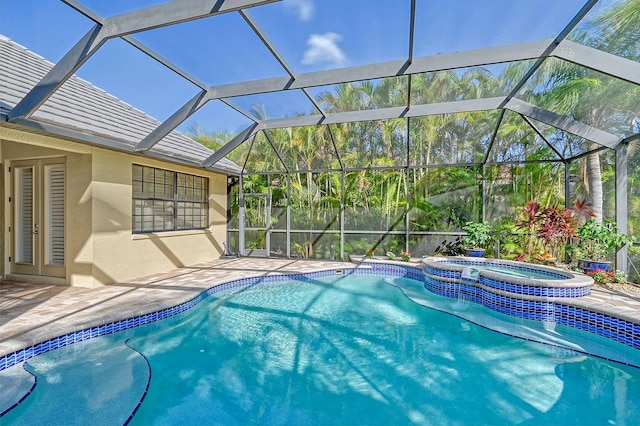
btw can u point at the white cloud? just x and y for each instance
(323, 48)
(303, 8)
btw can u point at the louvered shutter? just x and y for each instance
(24, 215)
(54, 205)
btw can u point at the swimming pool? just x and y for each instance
(362, 348)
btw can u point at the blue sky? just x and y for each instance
(311, 35)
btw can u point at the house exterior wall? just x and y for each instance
(100, 247)
(118, 254)
(16, 146)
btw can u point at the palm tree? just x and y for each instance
(212, 140)
(590, 97)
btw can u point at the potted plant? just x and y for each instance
(477, 238)
(596, 241)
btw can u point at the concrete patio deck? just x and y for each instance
(33, 313)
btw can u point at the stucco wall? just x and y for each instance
(118, 254)
(34, 146)
(78, 222)
(100, 247)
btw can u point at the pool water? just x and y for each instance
(513, 271)
(336, 350)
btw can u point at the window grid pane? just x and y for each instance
(165, 201)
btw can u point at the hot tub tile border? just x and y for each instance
(529, 290)
(602, 324)
(507, 265)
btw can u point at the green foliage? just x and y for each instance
(620, 277)
(604, 277)
(378, 246)
(393, 245)
(599, 239)
(212, 140)
(512, 241)
(601, 276)
(478, 234)
(444, 198)
(450, 248)
(545, 230)
(528, 217)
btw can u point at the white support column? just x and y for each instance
(621, 202)
(342, 214)
(567, 184)
(241, 219)
(288, 215)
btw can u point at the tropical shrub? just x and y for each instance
(555, 228)
(599, 239)
(528, 217)
(546, 231)
(450, 248)
(601, 276)
(512, 242)
(478, 234)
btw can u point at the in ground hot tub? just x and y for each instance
(514, 288)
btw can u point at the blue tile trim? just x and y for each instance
(389, 269)
(442, 272)
(605, 325)
(21, 400)
(532, 290)
(146, 389)
(454, 290)
(461, 262)
(116, 326)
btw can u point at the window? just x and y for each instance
(167, 201)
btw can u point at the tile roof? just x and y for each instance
(88, 110)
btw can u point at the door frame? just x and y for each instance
(39, 266)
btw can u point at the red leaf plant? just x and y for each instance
(556, 226)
